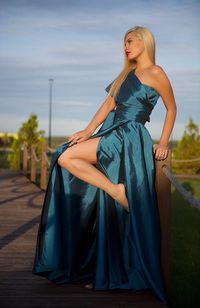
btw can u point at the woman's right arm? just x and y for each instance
(108, 105)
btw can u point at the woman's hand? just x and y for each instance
(79, 136)
(160, 151)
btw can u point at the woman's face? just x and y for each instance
(133, 46)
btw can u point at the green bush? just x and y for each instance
(27, 133)
(188, 148)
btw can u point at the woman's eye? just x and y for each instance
(129, 41)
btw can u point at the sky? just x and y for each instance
(79, 43)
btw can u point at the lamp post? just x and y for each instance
(50, 107)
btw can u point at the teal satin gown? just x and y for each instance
(84, 234)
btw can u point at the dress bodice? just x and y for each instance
(134, 100)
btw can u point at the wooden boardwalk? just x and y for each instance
(20, 208)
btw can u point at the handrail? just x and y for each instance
(46, 158)
(43, 160)
(186, 194)
(185, 160)
(51, 150)
(35, 156)
(33, 163)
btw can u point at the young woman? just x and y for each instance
(100, 221)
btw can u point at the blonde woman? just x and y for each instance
(100, 221)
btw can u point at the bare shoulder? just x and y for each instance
(157, 72)
(163, 86)
(160, 79)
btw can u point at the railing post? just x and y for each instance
(43, 175)
(163, 191)
(21, 158)
(25, 158)
(33, 163)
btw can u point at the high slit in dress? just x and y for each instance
(84, 235)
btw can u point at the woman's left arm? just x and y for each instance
(164, 88)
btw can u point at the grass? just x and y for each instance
(185, 248)
(3, 160)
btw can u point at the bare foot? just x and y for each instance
(120, 196)
(89, 286)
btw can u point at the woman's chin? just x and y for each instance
(130, 58)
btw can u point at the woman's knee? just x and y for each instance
(64, 159)
(85, 150)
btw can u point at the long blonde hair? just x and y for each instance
(149, 44)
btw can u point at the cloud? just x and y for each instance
(79, 44)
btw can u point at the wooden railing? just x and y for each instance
(162, 185)
(33, 160)
(163, 191)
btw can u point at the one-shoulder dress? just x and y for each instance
(86, 236)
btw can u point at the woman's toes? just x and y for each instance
(89, 286)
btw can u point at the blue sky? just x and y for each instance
(79, 43)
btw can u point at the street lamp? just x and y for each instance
(50, 107)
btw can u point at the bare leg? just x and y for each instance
(79, 160)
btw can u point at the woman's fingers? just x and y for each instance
(70, 138)
(73, 138)
(160, 151)
(160, 155)
(79, 137)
